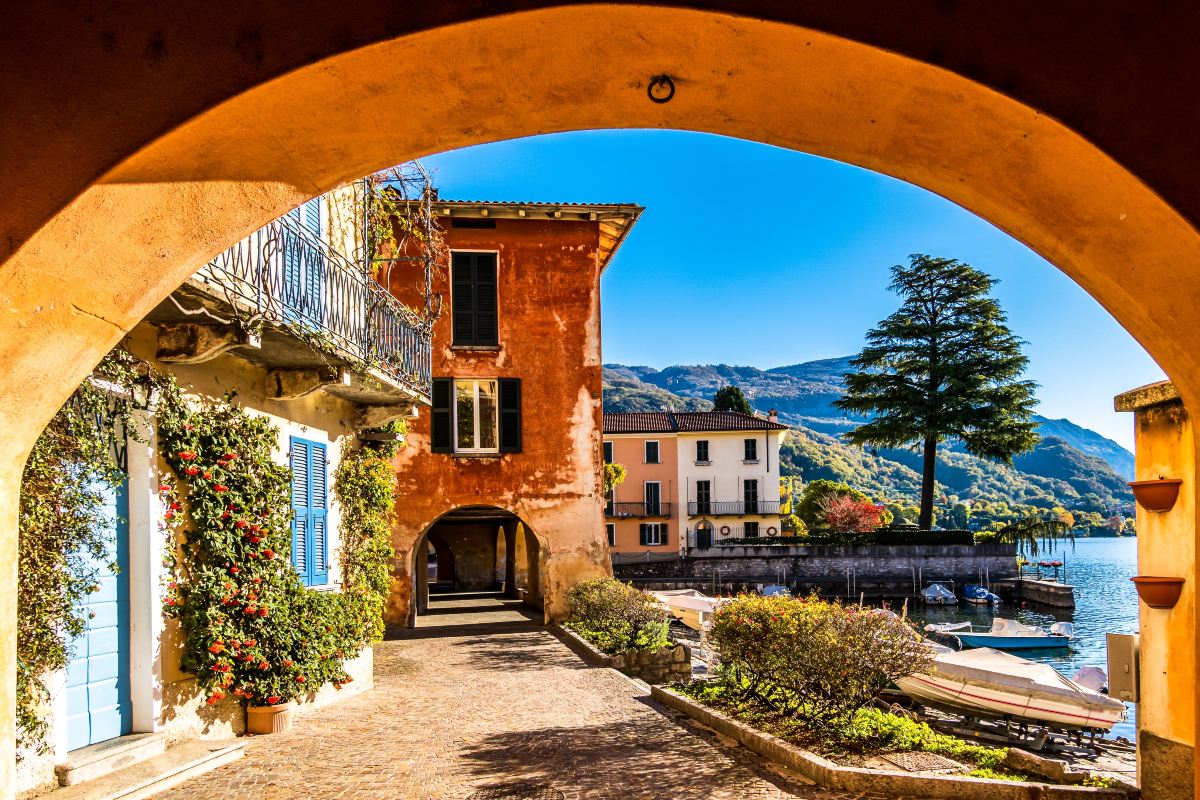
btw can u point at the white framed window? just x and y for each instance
(611, 529)
(652, 534)
(476, 420)
(652, 452)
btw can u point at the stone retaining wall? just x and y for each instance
(898, 565)
(664, 665)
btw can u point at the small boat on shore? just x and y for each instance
(973, 593)
(1006, 634)
(689, 606)
(991, 684)
(935, 594)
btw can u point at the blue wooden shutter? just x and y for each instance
(317, 507)
(298, 462)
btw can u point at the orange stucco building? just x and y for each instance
(501, 476)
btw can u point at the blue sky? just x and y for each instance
(749, 254)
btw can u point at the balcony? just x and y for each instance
(641, 510)
(284, 300)
(736, 508)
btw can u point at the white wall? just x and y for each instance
(726, 472)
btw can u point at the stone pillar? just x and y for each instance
(1168, 708)
(508, 535)
(579, 551)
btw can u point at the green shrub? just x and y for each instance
(616, 617)
(815, 660)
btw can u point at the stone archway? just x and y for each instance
(138, 144)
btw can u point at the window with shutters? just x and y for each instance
(652, 534)
(751, 450)
(476, 415)
(474, 305)
(750, 531)
(750, 496)
(703, 497)
(652, 494)
(304, 269)
(608, 452)
(611, 529)
(702, 451)
(651, 452)
(310, 535)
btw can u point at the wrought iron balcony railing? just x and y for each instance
(286, 275)
(621, 510)
(736, 508)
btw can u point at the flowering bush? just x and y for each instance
(846, 514)
(251, 628)
(815, 660)
(616, 617)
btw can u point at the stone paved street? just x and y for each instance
(478, 697)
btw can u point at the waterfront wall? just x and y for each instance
(873, 567)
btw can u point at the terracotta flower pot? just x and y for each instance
(269, 719)
(1158, 592)
(1156, 495)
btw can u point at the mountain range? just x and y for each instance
(1071, 466)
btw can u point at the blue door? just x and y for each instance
(98, 701)
(304, 267)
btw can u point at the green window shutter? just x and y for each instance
(510, 415)
(642, 538)
(663, 530)
(440, 428)
(462, 298)
(473, 299)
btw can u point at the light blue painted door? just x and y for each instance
(98, 700)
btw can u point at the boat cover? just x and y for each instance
(988, 667)
(693, 601)
(1010, 627)
(935, 592)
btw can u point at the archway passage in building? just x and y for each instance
(477, 566)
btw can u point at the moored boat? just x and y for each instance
(1006, 634)
(993, 684)
(935, 594)
(980, 596)
(689, 606)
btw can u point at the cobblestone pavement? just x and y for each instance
(481, 697)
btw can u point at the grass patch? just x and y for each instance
(871, 731)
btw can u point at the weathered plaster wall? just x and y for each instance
(1167, 546)
(549, 323)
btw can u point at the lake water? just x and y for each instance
(1105, 602)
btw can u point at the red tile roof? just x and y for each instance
(686, 422)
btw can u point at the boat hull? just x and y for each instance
(1011, 642)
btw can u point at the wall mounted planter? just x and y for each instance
(269, 719)
(1158, 592)
(1156, 495)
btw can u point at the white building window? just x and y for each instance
(652, 534)
(475, 416)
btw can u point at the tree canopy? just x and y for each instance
(730, 398)
(943, 366)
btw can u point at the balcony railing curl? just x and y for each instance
(286, 275)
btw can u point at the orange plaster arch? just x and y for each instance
(116, 243)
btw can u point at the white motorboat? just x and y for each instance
(1006, 634)
(997, 685)
(689, 606)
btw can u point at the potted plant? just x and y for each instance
(1156, 495)
(1157, 591)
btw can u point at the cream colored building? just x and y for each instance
(123, 697)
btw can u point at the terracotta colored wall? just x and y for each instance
(549, 323)
(1167, 546)
(630, 452)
